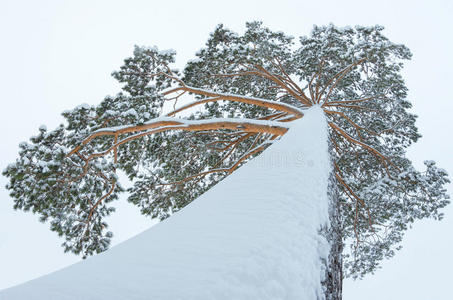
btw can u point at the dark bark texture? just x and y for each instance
(333, 282)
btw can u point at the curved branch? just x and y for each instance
(234, 98)
(166, 124)
(336, 79)
(267, 74)
(355, 125)
(227, 170)
(92, 209)
(290, 81)
(375, 152)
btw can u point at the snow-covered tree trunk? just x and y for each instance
(255, 235)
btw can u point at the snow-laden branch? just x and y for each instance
(162, 124)
(215, 96)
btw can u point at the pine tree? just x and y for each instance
(246, 90)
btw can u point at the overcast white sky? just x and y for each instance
(57, 54)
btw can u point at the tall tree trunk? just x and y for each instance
(333, 282)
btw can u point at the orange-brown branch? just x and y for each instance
(234, 98)
(233, 147)
(335, 80)
(378, 154)
(355, 125)
(186, 125)
(112, 188)
(357, 198)
(334, 102)
(292, 92)
(227, 170)
(290, 81)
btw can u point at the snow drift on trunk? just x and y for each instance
(252, 236)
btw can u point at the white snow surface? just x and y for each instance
(255, 235)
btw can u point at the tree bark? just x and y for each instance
(333, 282)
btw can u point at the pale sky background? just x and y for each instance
(55, 55)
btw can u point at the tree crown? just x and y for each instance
(246, 90)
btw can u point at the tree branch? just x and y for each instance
(234, 98)
(166, 124)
